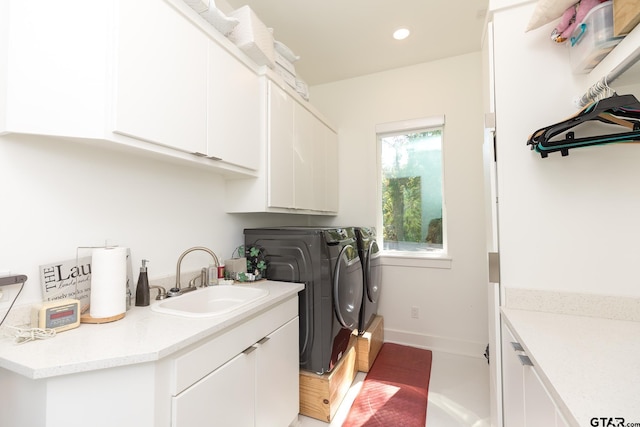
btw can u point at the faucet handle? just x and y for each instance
(162, 292)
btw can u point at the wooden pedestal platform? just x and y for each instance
(369, 344)
(321, 395)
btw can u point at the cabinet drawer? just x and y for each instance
(224, 397)
(198, 362)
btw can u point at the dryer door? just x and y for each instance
(347, 287)
(373, 272)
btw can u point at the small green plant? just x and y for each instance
(256, 263)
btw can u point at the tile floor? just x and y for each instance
(458, 394)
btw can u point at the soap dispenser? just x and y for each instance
(142, 290)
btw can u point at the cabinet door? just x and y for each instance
(326, 169)
(277, 377)
(333, 174)
(54, 67)
(305, 138)
(512, 382)
(280, 148)
(234, 110)
(161, 76)
(560, 421)
(539, 407)
(320, 157)
(222, 398)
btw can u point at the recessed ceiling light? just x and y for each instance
(401, 33)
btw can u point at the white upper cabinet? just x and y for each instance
(305, 163)
(234, 110)
(315, 163)
(279, 148)
(300, 173)
(153, 76)
(331, 170)
(54, 67)
(147, 75)
(161, 76)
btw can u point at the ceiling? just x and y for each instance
(340, 39)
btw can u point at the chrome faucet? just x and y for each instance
(178, 289)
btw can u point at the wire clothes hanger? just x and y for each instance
(619, 110)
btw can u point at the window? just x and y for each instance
(411, 185)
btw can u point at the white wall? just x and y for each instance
(452, 302)
(58, 195)
(566, 223)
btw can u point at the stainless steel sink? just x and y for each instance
(210, 301)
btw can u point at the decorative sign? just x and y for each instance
(66, 279)
(72, 279)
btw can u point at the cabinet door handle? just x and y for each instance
(249, 350)
(524, 360)
(263, 340)
(214, 158)
(517, 346)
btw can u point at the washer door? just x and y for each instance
(373, 272)
(347, 287)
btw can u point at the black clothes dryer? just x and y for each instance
(372, 275)
(326, 260)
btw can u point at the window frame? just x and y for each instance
(430, 259)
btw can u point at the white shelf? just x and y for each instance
(620, 62)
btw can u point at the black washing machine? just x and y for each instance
(326, 260)
(372, 275)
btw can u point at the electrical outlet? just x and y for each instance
(8, 292)
(4, 295)
(7, 295)
(415, 312)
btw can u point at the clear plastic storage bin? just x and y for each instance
(593, 39)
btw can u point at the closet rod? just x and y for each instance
(601, 88)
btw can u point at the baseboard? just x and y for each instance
(438, 344)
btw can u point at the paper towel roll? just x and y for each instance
(108, 282)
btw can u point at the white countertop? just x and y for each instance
(141, 336)
(590, 365)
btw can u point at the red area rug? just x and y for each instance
(395, 389)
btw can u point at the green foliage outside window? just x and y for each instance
(412, 190)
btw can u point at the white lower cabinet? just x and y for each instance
(221, 398)
(277, 373)
(245, 375)
(526, 400)
(539, 408)
(512, 381)
(258, 387)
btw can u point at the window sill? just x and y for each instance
(407, 259)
